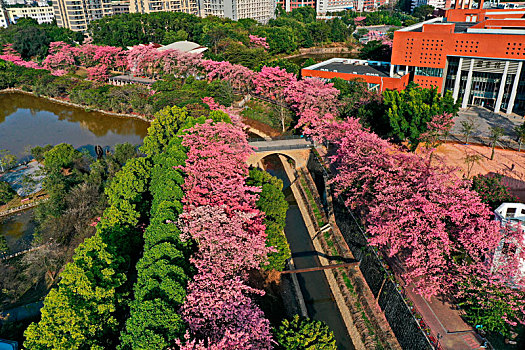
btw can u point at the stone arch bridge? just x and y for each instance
(297, 149)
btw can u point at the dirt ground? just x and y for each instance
(510, 164)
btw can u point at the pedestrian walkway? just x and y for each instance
(445, 323)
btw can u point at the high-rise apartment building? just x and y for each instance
(76, 14)
(149, 6)
(259, 10)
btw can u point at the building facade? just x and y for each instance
(76, 14)
(480, 62)
(259, 10)
(120, 7)
(42, 14)
(327, 6)
(289, 5)
(149, 6)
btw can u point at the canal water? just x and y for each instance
(28, 121)
(319, 300)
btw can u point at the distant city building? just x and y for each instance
(4, 18)
(42, 14)
(326, 6)
(289, 5)
(370, 5)
(76, 14)
(120, 7)
(437, 4)
(375, 74)
(149, 6)
(477, 54)
(259, 10)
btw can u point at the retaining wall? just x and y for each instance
(405, 327)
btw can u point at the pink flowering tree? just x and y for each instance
(438, 128)
(144, 60)
(98, 73)
(312, 95)
(239, 77)
(272, 83)
(258, 41)
(221, 216)
(61, 58)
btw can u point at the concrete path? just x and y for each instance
(484, 119)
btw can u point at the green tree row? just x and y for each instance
(88, 307)
(285, 34)
(272, 202)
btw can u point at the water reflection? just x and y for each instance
(27, 120)
(18, 230)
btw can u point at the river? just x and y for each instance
(320, 302)
(27, 120)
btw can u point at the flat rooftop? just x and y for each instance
(351, 66)
(460, 27)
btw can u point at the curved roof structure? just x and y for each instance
(184, 46)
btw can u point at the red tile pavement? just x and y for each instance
(444, 320)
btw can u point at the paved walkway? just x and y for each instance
(484, 119)
(443, 319)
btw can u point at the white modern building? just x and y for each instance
(42, 14)
(260, 10)
(326, 6)
(510, 214)
(437, 4)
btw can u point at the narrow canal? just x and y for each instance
(318, 298)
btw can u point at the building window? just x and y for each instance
(429, 72)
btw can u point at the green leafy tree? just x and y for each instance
(272, 202)
(520, 133)
(87, 309)
(38, 152)
(31, 41)
(6, 192)
(491, 190)
(467, 128)
(495, 134)
(423, 11)
(164, 127)
(302, 333)
(62, 156)
(409, 111)
(376, 51)
(4, 249)
(7, 160)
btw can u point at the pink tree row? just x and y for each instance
(99, 60)
(10, 54)
(421, 215)
(221, 216)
